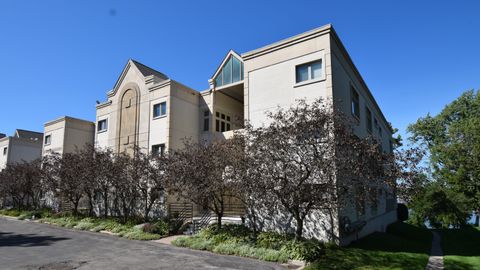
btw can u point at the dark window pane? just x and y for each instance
(156, 110)
(163, 110)
(236, 70)
(223, 126)
(316, 69)
(217, 125)
(217, 114)
(223, 116)
(302, 73)
(206, 123)
(227, 72)
(228, 127)
(228, 118)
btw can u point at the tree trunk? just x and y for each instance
(105, 205)
(299, 230)
(219, 220)
(90, 204)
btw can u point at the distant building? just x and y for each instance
(24, 145)
(66, 134)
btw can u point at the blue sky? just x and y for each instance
(58, 57)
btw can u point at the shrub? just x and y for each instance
(246, 250)
(402, 212)
(161, 227)
(135, 234)
(193, 242)
(272, 240)
(231, 233)
(306, 250)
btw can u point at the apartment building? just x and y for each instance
(66, 135)
(149, 109)
(23, 145)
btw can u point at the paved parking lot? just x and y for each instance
(28, 245)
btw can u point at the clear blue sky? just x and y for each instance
(58, 57)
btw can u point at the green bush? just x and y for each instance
(229, 233)
(161, 227)
(246, 250)
(305, 250)
(193, 242)
(272, 240)
(136, 234)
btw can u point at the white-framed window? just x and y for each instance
(5, 151)
(159, 110)
(206, 120)
(48, 139)
(158, 149)
(102, 125)
(222, 122)
(308, 71)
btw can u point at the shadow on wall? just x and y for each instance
(319, 224)
(8, 239)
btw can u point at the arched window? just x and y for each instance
(231, 72)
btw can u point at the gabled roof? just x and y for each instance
(143, 69)
(225, 59)
(147, 71)
(27, 134)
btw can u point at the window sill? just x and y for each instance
(102, 131)
(47, 144)
(159, 117)
(308, 82)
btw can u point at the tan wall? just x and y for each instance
(67, 134)
(270, 78)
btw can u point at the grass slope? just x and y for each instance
(403, 247)
(461, 248)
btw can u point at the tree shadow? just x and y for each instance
(9, 239)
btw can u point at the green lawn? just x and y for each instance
(461, 248)
(403, 247)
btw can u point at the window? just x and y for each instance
(159, 110)
(369, 119)
(48, 139)
(231, 72)
(5, 150)
(355, 100)
(158, 149)
(102, 125)
(222, 122)
(309, 71)
(380, 133)
(206, 120)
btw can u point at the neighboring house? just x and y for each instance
(67, 134)
(148, 109)
(24, 145)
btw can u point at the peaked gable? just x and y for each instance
(142, 69)
(230, 70)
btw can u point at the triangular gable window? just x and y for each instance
(231, 72)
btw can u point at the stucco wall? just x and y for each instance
(270, 78)
(56, 132)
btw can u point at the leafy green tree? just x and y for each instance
(453, 141)
(440, 206)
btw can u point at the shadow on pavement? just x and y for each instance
(8, 239)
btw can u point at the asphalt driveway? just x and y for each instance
(29, 245)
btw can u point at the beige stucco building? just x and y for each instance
(66, 135)
(22, 146)
(149, 109)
